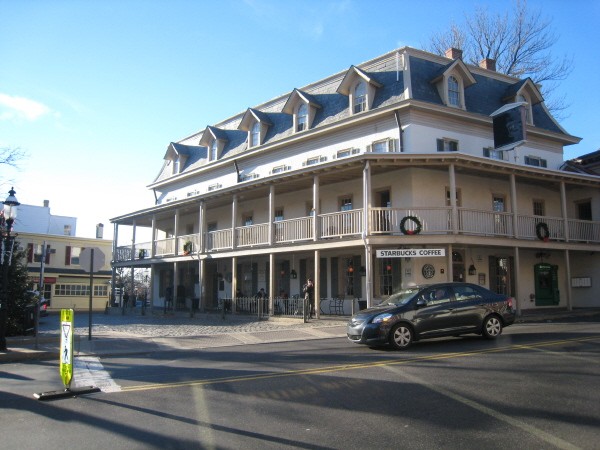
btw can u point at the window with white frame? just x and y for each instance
(447, 145)
(346, 152)
(382, 146)
(255, 134)
(490, 152)
(214, 150)
(346, 203)
(360, 97)
(247, 219)
(527, 106)
(535, 161)
(302, 117)
(453, 91)
(539, 207)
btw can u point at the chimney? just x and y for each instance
(454, 53)
(488, 63)
(46, 203)
(100, 231)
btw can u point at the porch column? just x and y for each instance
(452, 176)
(316, 209)
(234, 287)
(271, 287)
(201, 274)
(450, 271)
(563, 208)
(368, 273)
(113, 277)
(201, 226)
(516, 295)
(153, 242)
(366, 231)
(568, 281)
(175, 284)
(152, 289)
(271, 214)
(234, 207)
(134, 226)
(176, 233)
(513, 203)
(317, 288)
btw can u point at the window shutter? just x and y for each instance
(440, 145)
(29, 253)
(47, 261)
(68, 255)
(392, 145)
(453, 146)
(486, 152)
(369, 148)
(543, 163)
(527, 160)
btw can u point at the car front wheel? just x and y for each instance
(401, 336)
(492, 327)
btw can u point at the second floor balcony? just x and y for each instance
(380, 222)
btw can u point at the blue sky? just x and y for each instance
(94, 91)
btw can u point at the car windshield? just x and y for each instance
(402, 297)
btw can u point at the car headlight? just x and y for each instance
(381, 318)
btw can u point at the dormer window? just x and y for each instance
(451, 82)
(522, 98)
(302, 107)
(360, 97)
(255, 135)
(215, 140)
(360, 87)
(256, 123)
(214, 150)
(453, 92)
(302, 117)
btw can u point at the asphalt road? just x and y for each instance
(536, 387)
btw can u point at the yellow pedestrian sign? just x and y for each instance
(66, 346)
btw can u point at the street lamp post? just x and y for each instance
(7, 241)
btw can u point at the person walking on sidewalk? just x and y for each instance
(309, 290)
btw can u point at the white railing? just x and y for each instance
(218, 240)
(250, 235)
(437, 220)
(188, 244)
(294, 230)
(527, 227)
(486, 223)
(584, 230)
(388, 220)
(343, 223)
(165, 247)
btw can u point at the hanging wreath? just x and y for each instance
(187, 247)
(413, 219)
(542, 232)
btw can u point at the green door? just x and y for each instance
(546, 285)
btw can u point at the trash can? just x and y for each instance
(362, 304)
(29, 319)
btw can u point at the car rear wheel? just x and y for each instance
(401, 336)
(492, 327)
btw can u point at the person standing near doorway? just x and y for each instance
(309, 291)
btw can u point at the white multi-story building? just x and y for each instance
(377, 177)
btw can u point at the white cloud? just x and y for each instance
(13, 107)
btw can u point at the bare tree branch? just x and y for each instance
(521, 42)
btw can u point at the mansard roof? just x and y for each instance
(401, 76)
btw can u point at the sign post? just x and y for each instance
(65, 357)
(91, 260)
(66, 346)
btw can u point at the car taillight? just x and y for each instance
(509, 302)
(44, 306)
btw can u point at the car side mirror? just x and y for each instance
(421, 303)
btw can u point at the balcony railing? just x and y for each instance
(383, 221)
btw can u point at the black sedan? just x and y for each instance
(435, 310)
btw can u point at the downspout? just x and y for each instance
(400, 132)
